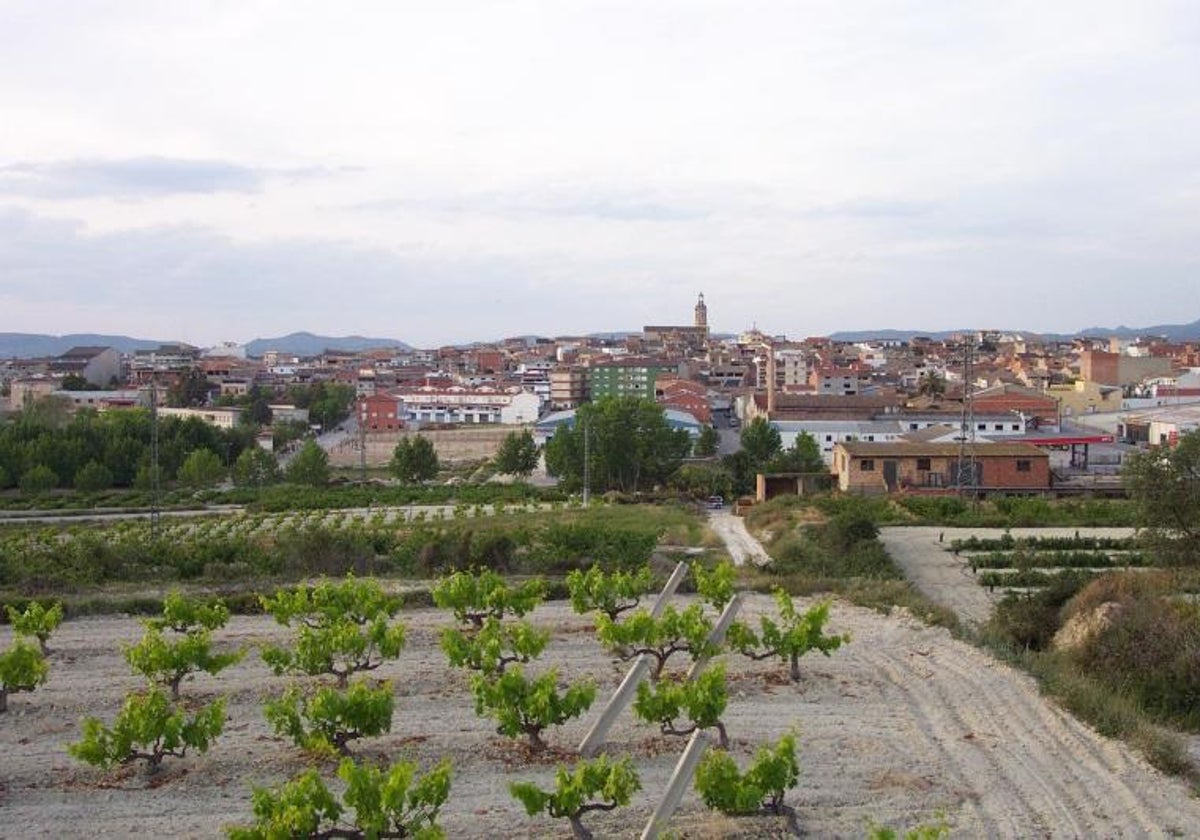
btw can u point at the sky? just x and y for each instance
(442, 172)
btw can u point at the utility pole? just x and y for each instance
(587, 463)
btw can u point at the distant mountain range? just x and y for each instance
(30, 345)
(1172, 332)
(307, 344)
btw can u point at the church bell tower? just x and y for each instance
(701, 312)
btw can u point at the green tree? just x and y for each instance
(414, 460)
(310, 466)
(37, 480)
(1164, 485)
(804, 456)
(74, 382)
(168, 661)
(707, 443)
(675, 631)
(518, 454)
(93, 476)
(628, 443)
(473, 598)
(931, 384)
(201, 468)
(761, 442)
(190, 390)
(255, 467)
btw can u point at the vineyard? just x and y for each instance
(898, 726)
(229, 551)
(1013, 565)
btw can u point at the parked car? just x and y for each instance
(715, 503)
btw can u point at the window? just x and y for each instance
(1024, 465)
(912, 427)
(828, 438)
(981, 427)
(1016, 427)
(999, 427)
(867, 465)
(924, 465)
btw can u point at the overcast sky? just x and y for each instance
(449, 171)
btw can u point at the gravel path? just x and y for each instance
(742, 547)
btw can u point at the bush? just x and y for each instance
(331, 718)
(774, 772)
(387, 803)
(148, 728)
(524, 706)
(701, 702)
(344, 628)
(597, 785)
(36, 620)
(796, 634)
(168, 662)
(1151, 651)
(22, 668)
(611, 594)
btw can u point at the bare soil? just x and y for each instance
(900, 726)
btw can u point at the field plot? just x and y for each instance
(898, 726)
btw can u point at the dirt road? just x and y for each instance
(742, 547)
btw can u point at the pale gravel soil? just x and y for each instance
(900, 725)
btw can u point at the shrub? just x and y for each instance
(22, 668)
(387, 803)
(611, 594)
(148, 728)
(37, 480)
(331, 718)
(675, 631)
(344, 628)
(474, 597)
(36, 620)
(701, 702)
(597, 785)
(715, 585)
(795, 635)
(168, 662)
(774, 772)
(494, 646)
(184, 615)
(1151, 651)
(524, 706)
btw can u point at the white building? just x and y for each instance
(459, 404)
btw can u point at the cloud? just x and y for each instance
(137, 177)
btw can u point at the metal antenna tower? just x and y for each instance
(154, 483)
(967, 479)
